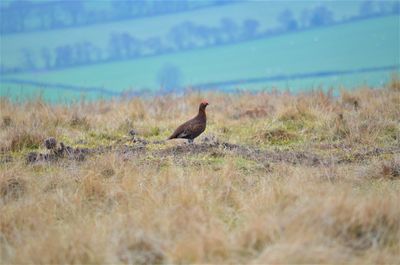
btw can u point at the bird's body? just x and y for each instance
(194, 127)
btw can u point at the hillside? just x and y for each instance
(158, 26)
(340, 49)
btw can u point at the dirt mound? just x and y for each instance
(78, 154)
(210, 145)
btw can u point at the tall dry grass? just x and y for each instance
(210, 207)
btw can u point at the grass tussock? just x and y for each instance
(276, 178)
(387, 169)
(12, 188)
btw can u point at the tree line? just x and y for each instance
(183, 36)
(25, 16)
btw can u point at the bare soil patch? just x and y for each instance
(212, 146)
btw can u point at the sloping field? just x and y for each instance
(359, 45)
(264, 13)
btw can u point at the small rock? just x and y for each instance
(50, 143)
(140, 141)
(12, 188)
(7, 121)
(81, 141)
(108, 172)
(133, 133)
(6, 159)
(80, 157)
(31, 157)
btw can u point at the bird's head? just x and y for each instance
(203, 105)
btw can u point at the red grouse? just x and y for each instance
(194, 127)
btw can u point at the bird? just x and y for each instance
(194, 127)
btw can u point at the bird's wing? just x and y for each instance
(191, 129)
(180, 130)
(187, 129)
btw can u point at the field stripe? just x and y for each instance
(297, 76)
(60, 86)
(263, 36)
(209, 85)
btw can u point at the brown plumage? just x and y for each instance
(194, 127)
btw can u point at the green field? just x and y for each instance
(12, 45)
(363, 44)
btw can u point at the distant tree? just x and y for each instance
(19, 11)
(182, 35)
(41, 13)
(93, 53)
(305, 18)
(160, 7)
(123, 45)
(122, 8)
(154, 45)
(68, 55)
(89, 17)
(182, 4)
(367, 8)
(77, 53)
(320, 16)
(46, 56)
(219, 2)
(52, 12)
(115, 46)
(126, 45)
(82, 52)
(7, 21)
(250, 27)
(287, 20)
(75, 9)
(139, 7)
(29, 62)
(25, 15)
(135, 47)
(169, 77)
(396, 7)
(59, 61)
(216, 35)
(176, 36)
(204, 35)
(385, 7)
(64, 56)
(230, 28)
(86, 52)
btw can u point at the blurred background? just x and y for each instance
(101, 49)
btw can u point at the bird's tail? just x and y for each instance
(173, 136)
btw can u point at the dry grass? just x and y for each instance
(214, 206)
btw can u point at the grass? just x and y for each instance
(248, 191)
